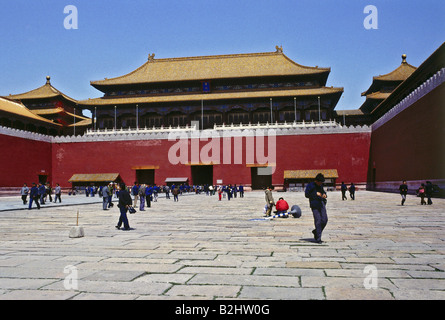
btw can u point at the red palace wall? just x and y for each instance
(346, 152)
(411, 146)
(22, 160)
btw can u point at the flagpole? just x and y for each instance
(74, 121)
(271, 117)
(137, 117)
(115, 120)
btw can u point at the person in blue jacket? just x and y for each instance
(343, 188)
(317, 201)
(42, 193)
(34, 196)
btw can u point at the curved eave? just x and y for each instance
(18, 109)
(82, 123)
(211, 97)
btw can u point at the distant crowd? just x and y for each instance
(39, 194)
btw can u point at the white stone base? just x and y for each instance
(77, 232)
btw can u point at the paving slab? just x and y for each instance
(205, 249)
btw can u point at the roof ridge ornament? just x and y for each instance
(404, 59)
(48, 78)
(151, 57)
(279, 49)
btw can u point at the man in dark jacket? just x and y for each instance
(403, 188)
(344, 188)
(352, 191)
(429, 191)
(124, 202)
(317, 201)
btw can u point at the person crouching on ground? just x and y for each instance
(124, 202)
(317, 201)
(282, 206)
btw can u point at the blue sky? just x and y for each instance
(114, 37)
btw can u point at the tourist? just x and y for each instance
(111, 191)
(105, 196)
(220, 192)
(48, 192)
(352, 191)
(155, 193)
(58, 193)
(403, 188)
(124, 202)
(24, 193)
(42, 192)
(429, 192)
(135, 192)
(167, 192)
(270, 202)
(148, 195)
(344, 188)
(282, 206)
(317, 202)
(34, 196)
(229, 192)
(241, 191)
(421, 192)
(175, 193)
(142, 197)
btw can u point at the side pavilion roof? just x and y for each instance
(401, 73)
(44, 92)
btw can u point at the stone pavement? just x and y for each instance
(200, 248)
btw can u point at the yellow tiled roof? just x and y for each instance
(378, 95)
(213, 67)
(399, 74)
(43, 92)
(97, 177)
(82, 123)
(310, 174)
(80, 120)
(19, 109)
(213, 96)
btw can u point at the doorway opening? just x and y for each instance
(146, 176)
(261, 177)
(43, 178)
(202, 175)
